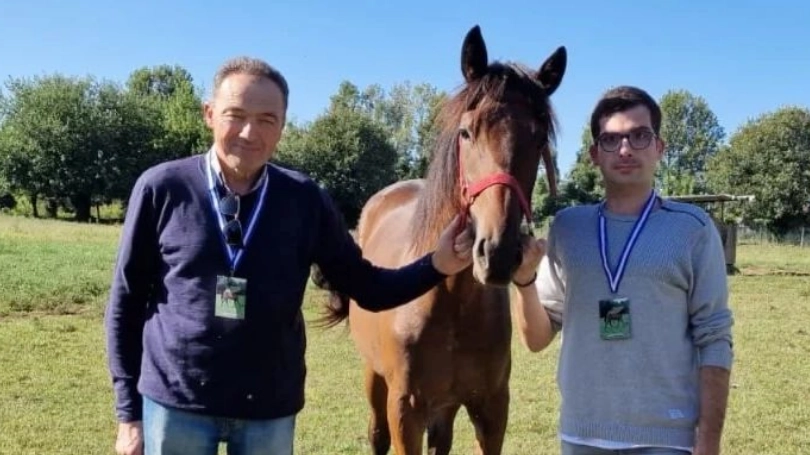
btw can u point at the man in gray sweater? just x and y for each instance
(637, 285)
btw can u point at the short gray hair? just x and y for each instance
(253, 67)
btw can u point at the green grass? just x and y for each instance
(55, 397)
(54, 266)
(773, 259)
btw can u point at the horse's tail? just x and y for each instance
(337, 305)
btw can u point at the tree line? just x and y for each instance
(75, 143)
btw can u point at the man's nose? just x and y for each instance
(624, 147)
(248, 129)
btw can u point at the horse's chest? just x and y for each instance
(459, 354)
(452, 336)
(451, 351)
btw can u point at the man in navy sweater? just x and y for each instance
(205, 334)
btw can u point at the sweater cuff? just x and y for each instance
(129, 407)
(129, 415)
(717, 354)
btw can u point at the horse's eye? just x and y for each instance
(464, 133)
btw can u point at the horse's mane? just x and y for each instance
(441, 198)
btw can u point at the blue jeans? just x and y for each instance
(576, 449)
(169, 431)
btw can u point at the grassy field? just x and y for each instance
(55, 397)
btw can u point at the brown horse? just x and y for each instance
(451, 347)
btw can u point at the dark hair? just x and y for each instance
(252, 67)
(620, 99)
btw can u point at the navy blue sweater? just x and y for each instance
(163, 339)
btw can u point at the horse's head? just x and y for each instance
(504, 125)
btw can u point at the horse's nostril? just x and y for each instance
(481, 252)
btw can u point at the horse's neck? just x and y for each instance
(430, 228)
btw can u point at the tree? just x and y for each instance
(584, 182)
(74, 141)
(17, 165)
(407, 112)
(427, 133)
(769, 157)
(48, 124)
(543, 205)
(346, 152)
(410, 113)
(692, 136)
(178, 105)
(129, 133)
(161, 81)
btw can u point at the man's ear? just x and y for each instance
(593, 151)
(208, 113)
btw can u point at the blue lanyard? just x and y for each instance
(615, 277)
(234, 257)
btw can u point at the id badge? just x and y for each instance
(614, 319)
(231, 297)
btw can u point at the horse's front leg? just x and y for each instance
(407, 421)
(489, 415)
(377, 393)
(440, 430)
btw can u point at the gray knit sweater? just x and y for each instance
(645, 389)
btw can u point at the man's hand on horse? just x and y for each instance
(454, 251)
(533, 252)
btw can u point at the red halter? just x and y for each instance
(470, 192)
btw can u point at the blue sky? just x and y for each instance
(745, 57)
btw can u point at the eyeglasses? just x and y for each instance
(638, 139)
(229, 208)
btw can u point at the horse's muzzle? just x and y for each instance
(494, 262)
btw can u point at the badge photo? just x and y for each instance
(231, 297)
(614, 319)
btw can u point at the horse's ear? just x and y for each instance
(474, 60)
(552, 70)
